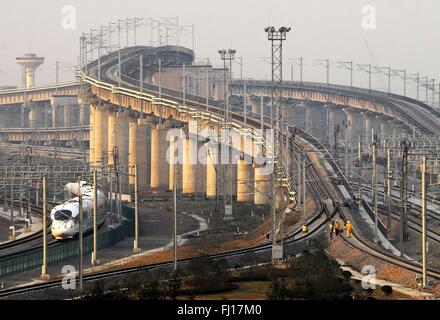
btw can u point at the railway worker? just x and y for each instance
(337, 228)
(332, 228)
(349, 229)
(305, 229)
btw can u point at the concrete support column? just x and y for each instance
(298, 117)
(143, 154)
(385, 127)
(22, 115)
(397, 129)
(54, 114)
(111, 140)
(100, 139)
(256, 106)
(81, 116)
(355, 128)
(122, 137)
(159, 166)
(33, 115)
(92, 134)
(211, 172)
(261, 187)
(173, 154)
(67, 116)
(132, 148)
(244, 171)
(370, 123)
(314, 120)
(189, 168)
(336, 117)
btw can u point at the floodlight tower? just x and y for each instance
(227, 55)
(276, 37)
(30, 63)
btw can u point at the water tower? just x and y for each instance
(30, 63)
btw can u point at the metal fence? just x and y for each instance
(33, 258)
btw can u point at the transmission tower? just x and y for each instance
(276, 37)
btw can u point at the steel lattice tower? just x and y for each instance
(227, 56)
(276, 37)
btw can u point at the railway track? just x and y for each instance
(321, 187)
(317, 222)
(315, 179)
(420, 116)
(416, 208)
(37, 211)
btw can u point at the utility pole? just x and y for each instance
(184, 84)
(389, 176)
(304, 182)
(44, 275)
(374, 186)
(367, 68)
(404, 196)
(360, 168)
(427, 89)
(349, 66)
(276, 37)
(347, 124)
(136, 248)
(95, 212)
(327, 61)
(326, 64)
(335, 133)
(119, 68)
(80, 230)
(424, 231)
(245, 103)
(160, 79)
(418, 86)
(141, 73)
(174, 218)
(57, 67)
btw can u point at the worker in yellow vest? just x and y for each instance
(349, 229)
(305, 229)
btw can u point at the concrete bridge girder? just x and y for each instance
(323, 97)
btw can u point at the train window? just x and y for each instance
(63, 215)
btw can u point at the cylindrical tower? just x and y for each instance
(30, 63)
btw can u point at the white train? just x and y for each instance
(65, 217)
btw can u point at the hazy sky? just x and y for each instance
(407, 33)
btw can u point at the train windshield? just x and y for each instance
(63, 215)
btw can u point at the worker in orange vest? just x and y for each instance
(349, 229)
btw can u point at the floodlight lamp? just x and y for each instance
(269, 29)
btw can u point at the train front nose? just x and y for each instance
(60, 229)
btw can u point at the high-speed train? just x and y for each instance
(65, 217)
